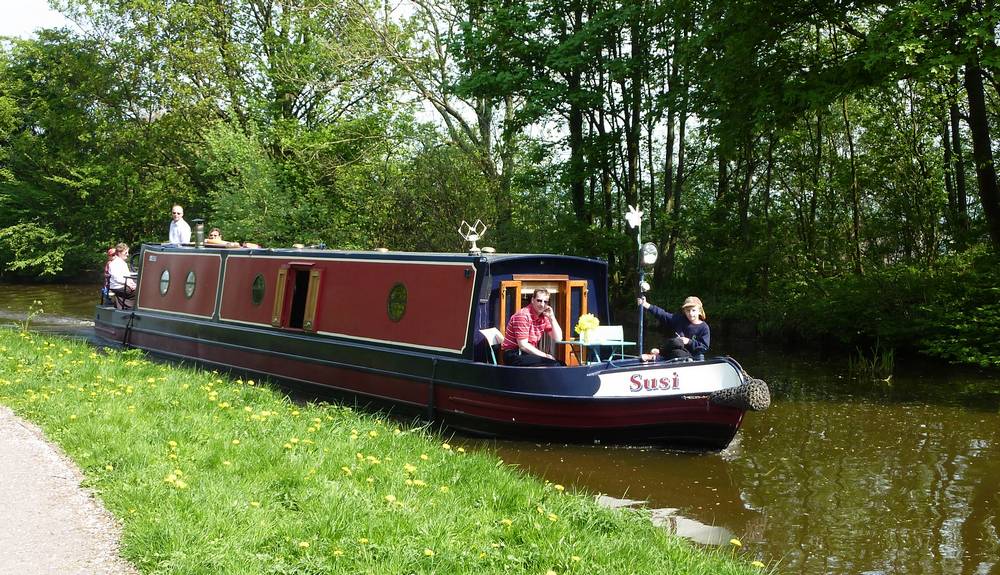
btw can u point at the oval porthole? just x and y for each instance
(397, 302)
(257, 290)
(164, 282)
(189, 285)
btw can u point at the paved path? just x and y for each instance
(48, 524)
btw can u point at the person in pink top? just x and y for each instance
(524, 332)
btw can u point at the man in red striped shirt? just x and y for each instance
(525, 329)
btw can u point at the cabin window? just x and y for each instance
(189, 285)
(164, 282)
(397, 302)
(257, 290)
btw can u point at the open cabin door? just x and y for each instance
(296, 295)
(567, 297)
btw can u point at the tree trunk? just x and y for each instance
(855, 193)
(958, 168)
(982, 152)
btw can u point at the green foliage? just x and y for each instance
(33, 249)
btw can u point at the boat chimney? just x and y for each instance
(472, 234)
(199, 233)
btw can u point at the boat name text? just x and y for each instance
(638, 383)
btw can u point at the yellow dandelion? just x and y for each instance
(445, 446)
(72, 417)
(553, 517)
(227, 463)
(575, 558)
(558, 487)
(347, 470)
(294, 440)
(370, 479)
(109, 467)
(419, 483)
(424, 457)
(444, 489)
(758, 564)
(551, 572)
(337, 552)
(304, 544)
(236, 442)
(460, 450)
(429, 552)
(180, 484)
(363, 540)
(409, 468)
(255, 504)
(506, 522)
(735, 542)
(373, 433)
(390, 498)
(172, 444)
(288, 446)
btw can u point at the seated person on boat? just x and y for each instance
(524, 332)
(687, 330)
(121, 281)
(214, 239)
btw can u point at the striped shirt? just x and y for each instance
(525, 325)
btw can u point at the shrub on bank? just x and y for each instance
(949, 311)
(214, 475)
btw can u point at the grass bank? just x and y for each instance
(213, 475)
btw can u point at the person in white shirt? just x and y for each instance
(121, 282)
(180, 231)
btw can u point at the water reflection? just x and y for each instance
(65, 307)
(838, 476)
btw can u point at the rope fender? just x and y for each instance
(752, 395)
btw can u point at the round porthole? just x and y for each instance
(189, 285)
(164, 282)
(397, 302)
(257, 290)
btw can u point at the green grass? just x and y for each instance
(213, 475)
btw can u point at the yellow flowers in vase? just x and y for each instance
(586, 323)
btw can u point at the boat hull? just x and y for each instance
(621, 402)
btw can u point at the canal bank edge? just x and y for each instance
(50, 524)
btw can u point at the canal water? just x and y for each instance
(839, 476)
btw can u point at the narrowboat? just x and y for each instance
(415, 330)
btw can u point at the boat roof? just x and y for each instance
(323, 252)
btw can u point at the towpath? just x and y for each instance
(48, 523)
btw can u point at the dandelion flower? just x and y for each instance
(109, 467)
(575, 558)
(551, 572)
(409, 468)
(304, 544)
(758, 564)
(444, 489)
(506, 522)
(445, 446)
(390, 498)
(255, 504)
(236, 442)
(363, 540)
(735, 542)
(460, 450)
(227, 463)
(553, 517)
(429, 552)
(347, 470)
(424, 457)
(558, 487)
(337, 552)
